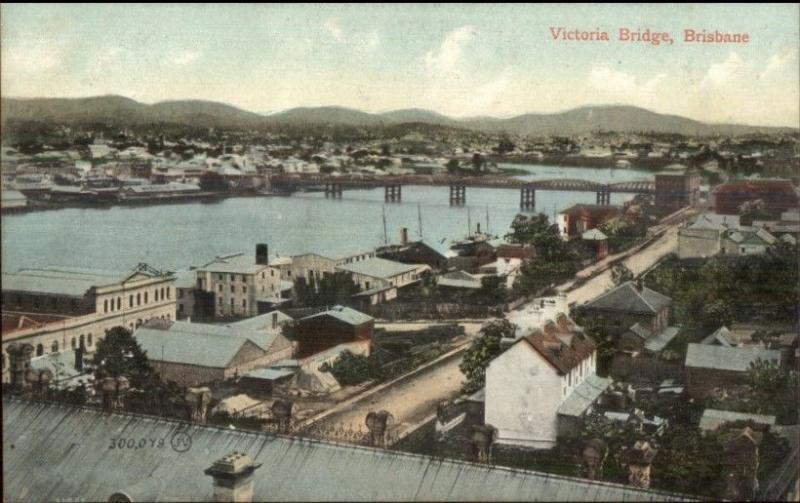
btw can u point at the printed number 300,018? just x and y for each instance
(136, 443)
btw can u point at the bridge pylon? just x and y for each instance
(393, 193)
(333, 190)
(458, 195)
(527, 198)
(604, 196)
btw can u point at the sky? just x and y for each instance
(460, 60)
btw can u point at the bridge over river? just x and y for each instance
(333, 186)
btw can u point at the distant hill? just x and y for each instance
(118, 111)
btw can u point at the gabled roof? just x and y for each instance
(344, 314)
(294, 468)
(714, 418)
(725, 358)
(715, 222)
(379, 268)
(193, 344)
(627, 298)
(66, 280)
(561, 355)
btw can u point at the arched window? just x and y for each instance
(39, 350)
(130, 300)
(145, 297)
(54, 347)
(105, 306)
(162, 293)
(73, 343)
(81, 341)
(138, 298)
(119, 303)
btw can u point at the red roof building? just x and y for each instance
(777, 196)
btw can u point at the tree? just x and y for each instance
(478, 162)
(453, 166)
(331, 289)
(119, 355)
(621, 274)
(483, 350)
(767, 376)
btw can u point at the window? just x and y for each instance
(180, 294)
(89, 340)
(145, 297)
(130, 301)
(233, 278)
(180, 308)
(289, 273)
(138, 299)
(54, 347)
(119, 303)
(162, 293)
(39, 350)
(244, 288)
(81, 341)
(231, 304)
(263, 275)
(219, 287)
(219, 276)
(155, 295)
(244, 303)
(168, 292)
(105, 306)
(244, 279)
(233, 289)
(272, 273)
(569, 379)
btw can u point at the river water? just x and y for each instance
(175, 236)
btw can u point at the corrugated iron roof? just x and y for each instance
(193, 347)
(345, 314)
(727, 358)
(62, 280)
(628, 299)
(58, 452)
(584, 395)
(714, 418)
(378, 268)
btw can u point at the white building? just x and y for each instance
(382, 273)
(58, 308)
(237, 282)
(541, 384)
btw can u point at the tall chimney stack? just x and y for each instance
(233, 478)
(19, 356)
(262, 254)
(403, 236)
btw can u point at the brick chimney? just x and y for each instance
(198, 399)
(262, 254)
(19, 359)
(482, 439)
(639, 458)
(233, 478)
(114, 391)
(594, 454)
(79, 357)
(403, 236)
(377, 423)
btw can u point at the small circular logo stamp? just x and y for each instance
(180, 441)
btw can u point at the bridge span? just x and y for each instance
(334, 185)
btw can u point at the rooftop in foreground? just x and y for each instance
(74, 441)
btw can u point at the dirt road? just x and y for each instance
(637, 263)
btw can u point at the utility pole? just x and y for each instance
(419, 218)
(385, 235)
